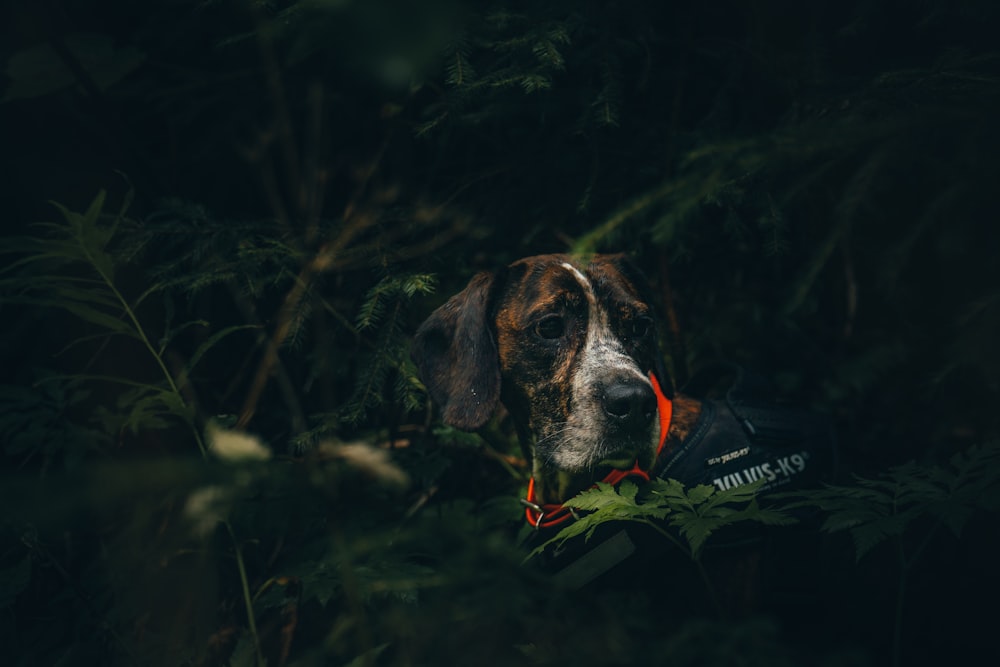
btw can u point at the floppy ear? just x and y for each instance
(457, 358)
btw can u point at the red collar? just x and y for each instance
(552, 514)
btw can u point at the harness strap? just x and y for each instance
(754, 402)
(552, 514)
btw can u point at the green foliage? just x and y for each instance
(509, 57)
(38, 423)
(911, 497)
(805, 185)
(703, 510)
(39, 70)
(696, 513)
(910, 501)
(74, 268)
(78, 266)
(382, 310)
(604, 503)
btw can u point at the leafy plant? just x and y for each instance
(74, 269)
(906, 507)
(77, 266)
(39, 423)
(694, 514)
(811, 179)
(382, 313)
(906, 497)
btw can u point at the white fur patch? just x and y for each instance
(582, 279)
(603, 358)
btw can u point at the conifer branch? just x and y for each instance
(324, 260)
(588, 242)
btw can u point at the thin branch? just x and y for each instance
(282, 377)
(247, 601)
(322, 262)
(283, 121)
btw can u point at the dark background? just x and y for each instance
(811, 188)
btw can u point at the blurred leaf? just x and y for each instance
(38, 70)
(213, 340)
(875, 510)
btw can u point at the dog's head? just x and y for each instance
(567, 347)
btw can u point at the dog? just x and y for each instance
(569, 347)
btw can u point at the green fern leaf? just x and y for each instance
(866, 537)
(111, 323)
(604, 503)
(604, 497)
(213, 340)
(696, 513)
(875, 510)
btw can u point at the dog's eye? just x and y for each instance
(550, 327)
(640, 327)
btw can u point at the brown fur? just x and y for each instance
(484, 347)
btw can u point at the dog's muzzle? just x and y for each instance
(551, 515)
(629, 410)
(629, 406)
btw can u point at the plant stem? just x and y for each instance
(144, 338)
(247, 601)
(720, 611)
(702, 572)
(897, 629)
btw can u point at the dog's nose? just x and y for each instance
(630, 404)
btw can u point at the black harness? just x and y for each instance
(740, 437)
(750, 434)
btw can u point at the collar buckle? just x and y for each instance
(530, 505)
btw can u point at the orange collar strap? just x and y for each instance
(553, 514)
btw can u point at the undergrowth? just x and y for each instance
(322, 528)
(215, 449)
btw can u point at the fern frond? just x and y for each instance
(874, 510)
(696, 513)
(703, 510)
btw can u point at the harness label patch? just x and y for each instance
(727, 457)
(778, 471)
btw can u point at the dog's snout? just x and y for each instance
(630, 404)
